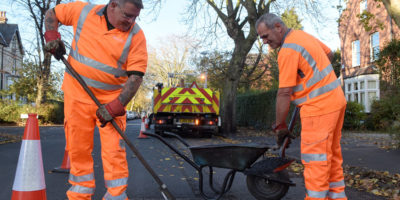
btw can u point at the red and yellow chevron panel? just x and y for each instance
(186, 100)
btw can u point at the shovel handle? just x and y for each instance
(163, 188)
(290, 128)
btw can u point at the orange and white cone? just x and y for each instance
(146, 122)
(29, 181)
(65, 165)
(142, 128)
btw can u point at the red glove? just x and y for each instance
(109, 111)
(54, 45)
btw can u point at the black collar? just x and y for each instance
(109, 25)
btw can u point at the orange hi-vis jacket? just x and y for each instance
(304, 65)
(102, 57)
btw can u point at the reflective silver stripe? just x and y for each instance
(307, 157)
(108, 196)
(78, 179)
(315, 194)
(82, 17)
(101, 11)
(97, 84)
(298, 88)
(81, 189)
(97, 65)
(116, 182)
(333, 195)
(336, 184)
(117, 72)
(325, 89)
(125, 51)
(299, 101)
(319, 76)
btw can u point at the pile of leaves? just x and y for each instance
(376, 182)
(8, 138)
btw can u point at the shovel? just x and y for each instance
(163, 188)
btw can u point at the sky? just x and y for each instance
(168, 23)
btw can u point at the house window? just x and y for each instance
(356, 53)
(374, 49)
(363, 89)
(371, 84)
(363, 6)
(14, 68)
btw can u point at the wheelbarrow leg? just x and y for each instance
(223, 189)
(225, 186)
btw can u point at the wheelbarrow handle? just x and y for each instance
(290, 128)
(163, 188)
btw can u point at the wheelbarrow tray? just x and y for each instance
(230, 156)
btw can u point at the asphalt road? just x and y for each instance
(181, 178)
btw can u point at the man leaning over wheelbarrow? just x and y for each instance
(109, 53)
(306, 78)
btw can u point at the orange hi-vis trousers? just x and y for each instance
(80, 121)
(321, 155)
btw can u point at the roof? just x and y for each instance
(362, 71)
(2, 41)
(7, 32)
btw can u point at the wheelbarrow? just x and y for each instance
(266, 179)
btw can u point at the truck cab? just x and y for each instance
(186, 110)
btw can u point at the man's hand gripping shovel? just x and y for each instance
(287, 139)
(163, 188)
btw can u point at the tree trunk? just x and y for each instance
(230, 91)
(393, 8)
(43, 80)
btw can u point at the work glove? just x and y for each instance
(109, 111)
(54, 44)
(281, 133)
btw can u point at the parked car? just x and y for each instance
(130, 115)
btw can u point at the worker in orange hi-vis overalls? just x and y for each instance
(306, 78)
(109, 52)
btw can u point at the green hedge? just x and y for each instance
(49, 113)
(256, 109)
(354, 117)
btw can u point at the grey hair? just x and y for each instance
(269, 19)
(137, 3)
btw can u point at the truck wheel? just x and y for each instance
(262, 189)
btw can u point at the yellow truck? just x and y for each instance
(184, 110)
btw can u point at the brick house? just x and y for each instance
(360, 43)
(11, 54)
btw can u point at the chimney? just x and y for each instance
(3, 18)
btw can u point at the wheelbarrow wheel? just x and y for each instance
(263, 189)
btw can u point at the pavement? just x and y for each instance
(182, 180)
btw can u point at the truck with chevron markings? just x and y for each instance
(184, 110)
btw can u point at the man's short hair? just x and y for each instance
(137, 3)
(269, 19)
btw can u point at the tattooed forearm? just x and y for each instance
(51, 21)
(129, 90)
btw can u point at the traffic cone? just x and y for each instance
(146, 122)
(29, 178)
(65, 165)
(142, 128)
